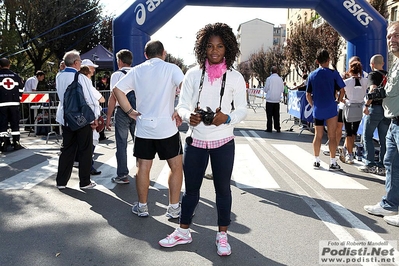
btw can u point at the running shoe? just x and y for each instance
(89, 186)
(368, 169)
(222, 244)
(140, 211)
(176, 238)
(334, 167)
(121, 179)
(316, 165)
(173, 213)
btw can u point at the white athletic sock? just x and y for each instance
(174, 206)
(142, 204)
(333, 161)
(317, 159)
(184, 231)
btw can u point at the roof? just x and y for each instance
(100, 56)
(252, 20)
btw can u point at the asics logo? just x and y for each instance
(358, 12)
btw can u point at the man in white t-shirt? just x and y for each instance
(154, 83)
(32, 82)
(123, 123)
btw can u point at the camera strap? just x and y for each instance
(202, 84)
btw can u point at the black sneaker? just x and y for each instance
(316, 165)
(334, 167)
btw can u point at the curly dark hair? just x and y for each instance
(229, 40)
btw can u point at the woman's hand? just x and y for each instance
(195, 119)
(220, 118)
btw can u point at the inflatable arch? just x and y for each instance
(356, 20)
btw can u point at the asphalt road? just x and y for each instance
(282, 207)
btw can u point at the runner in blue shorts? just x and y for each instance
(321, 93)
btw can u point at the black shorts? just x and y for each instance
(318, 122)
(166, 148)
(340, 120)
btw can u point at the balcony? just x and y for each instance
(318, 22)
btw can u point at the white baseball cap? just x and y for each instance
(88, 62)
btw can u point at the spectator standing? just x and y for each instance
(10, 96)
(321, 94)
(86, 70)
(274, 87)
(31, 86)
(214, 84)
(388, 206)
(154, 83)
(81, 140)
(355, 91)
(374, 118)
(62, 66)
(285, 93)
(123, 123)
(32, 82)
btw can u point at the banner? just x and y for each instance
(299, 107)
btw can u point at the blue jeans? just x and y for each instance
(123, 124)
(372, 121)
(195, 162)
(391, 162)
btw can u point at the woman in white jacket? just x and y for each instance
(214, 86)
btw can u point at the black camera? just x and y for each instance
(378, 94)
(206, 116)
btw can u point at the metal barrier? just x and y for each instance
(253, 95)
(39, 108)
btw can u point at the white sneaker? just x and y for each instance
(89, 186)
(222, 244)
(378, 210)
(176, 238)
(392, 220)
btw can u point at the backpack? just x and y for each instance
(131, 96)
(77, 113)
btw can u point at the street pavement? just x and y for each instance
(282, 207)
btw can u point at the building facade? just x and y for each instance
(254, 35)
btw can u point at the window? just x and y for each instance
(394, 13)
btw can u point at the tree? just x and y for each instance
(332, 41)
(276, 56)
(177, 61)
(47, 27)
(301, 48)
(381, 7)
(258, 66)
(306, 40)
(245, 69)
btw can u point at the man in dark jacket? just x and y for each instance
(11, 87)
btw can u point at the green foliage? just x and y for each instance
(42, 31)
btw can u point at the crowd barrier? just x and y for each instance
(255, 98)
(38, 112)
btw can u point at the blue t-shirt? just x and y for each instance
(322, 84)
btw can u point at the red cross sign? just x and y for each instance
(8, 83)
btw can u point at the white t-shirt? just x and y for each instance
(154, 83)
(116, 76)
(355, 94)
(31, 84)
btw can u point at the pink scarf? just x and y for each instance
(215, 71)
